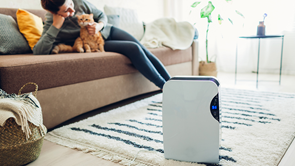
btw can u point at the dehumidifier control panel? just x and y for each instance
(214, 107)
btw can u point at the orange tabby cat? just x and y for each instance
(89, 43)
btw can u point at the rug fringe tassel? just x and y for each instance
(96, 152)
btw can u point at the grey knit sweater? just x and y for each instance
(70, 29)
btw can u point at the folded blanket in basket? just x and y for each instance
(22, 108)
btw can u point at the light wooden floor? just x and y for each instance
(56, 155)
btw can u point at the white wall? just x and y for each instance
(148, 10)
(25, 4)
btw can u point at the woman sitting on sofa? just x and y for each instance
(61, 27)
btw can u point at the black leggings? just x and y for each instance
(143, 60)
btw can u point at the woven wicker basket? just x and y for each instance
(15, 149)
(207, 69)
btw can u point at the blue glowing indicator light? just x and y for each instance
(214, 107)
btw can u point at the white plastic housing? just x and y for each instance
(190, 132)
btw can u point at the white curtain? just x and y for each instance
(224, 38)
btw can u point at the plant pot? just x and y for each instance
(207, 69)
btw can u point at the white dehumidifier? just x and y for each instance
(191, 119)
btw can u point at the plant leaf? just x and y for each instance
(239, 13)
(228, 0)
(195, 4)
(207, 10)
(230, 21)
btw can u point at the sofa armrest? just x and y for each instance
(195, 60)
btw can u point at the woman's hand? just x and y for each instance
(94, 28)
(58, 20)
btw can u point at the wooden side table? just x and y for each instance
(259, 37)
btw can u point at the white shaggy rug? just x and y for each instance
(257, 128)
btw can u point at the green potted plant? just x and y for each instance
(208, 67)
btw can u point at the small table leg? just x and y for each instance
(236, 62)
(281, 59)
(258, 63)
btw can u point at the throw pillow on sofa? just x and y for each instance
(30, 25)
(114, 20)
(12, 41)
(129, 20)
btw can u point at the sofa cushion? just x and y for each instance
(50, 71)
(12, 41)
(114, 20)
(129, 20)
(30, 25)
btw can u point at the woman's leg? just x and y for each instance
(143, 60)
(118, 34)
(138, 58)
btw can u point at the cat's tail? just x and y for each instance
(61, 48)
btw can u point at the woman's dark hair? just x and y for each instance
(52, 5)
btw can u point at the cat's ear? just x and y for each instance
(91, 15)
